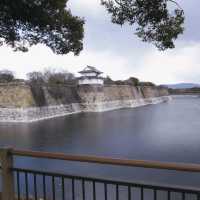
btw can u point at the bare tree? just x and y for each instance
(52, 76)
(36, 77)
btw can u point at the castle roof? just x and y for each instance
(90, 69)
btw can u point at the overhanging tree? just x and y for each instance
(156, 21)
(24, 23)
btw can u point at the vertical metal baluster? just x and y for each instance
(155, 194)
(63, 188)
(142, 193)
(94, 190)
(26, 183)
(44, 187)
(83, 189)
(168, 195)
(183, 195)
(105, 190)
(73, 191)
(129, 192)
(117, 192)
(35, 185)
(53, 188)
(18, 186)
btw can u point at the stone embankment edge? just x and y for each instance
(35, 114)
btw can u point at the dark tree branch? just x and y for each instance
(154, 23)
(177, 4)
(120, 4)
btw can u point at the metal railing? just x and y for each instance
(28, 184)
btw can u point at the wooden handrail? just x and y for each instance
(110, 161)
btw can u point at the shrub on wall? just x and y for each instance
(6, 76)
(132, 81)
(147, 84)
(108, 81)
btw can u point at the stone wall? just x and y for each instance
(61, 94)
(20, 103)
(15, 95)
(91, 94)
(37, 113)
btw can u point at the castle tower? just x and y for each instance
(90, 76)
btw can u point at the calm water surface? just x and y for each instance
(163, 132)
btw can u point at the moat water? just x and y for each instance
(163, 132)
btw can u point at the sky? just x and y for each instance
(116, 51)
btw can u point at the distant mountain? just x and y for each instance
(182, 85)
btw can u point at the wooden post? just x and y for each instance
(6, 160)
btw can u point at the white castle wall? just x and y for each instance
(91, 81)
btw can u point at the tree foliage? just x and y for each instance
(6, 76)
(155, 20)
(24, 23)
(133, 81)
